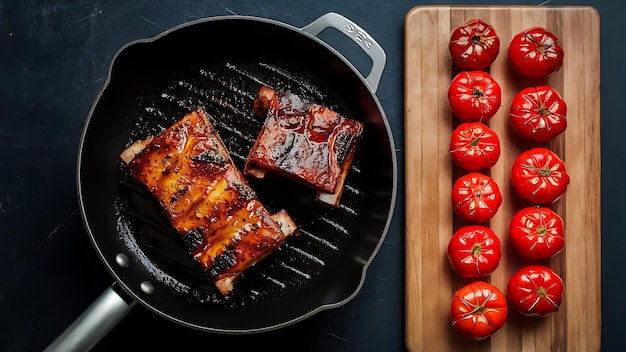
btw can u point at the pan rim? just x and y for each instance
(133, 292)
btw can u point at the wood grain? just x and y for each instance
(430, 222)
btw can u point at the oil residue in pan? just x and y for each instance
(226, 91)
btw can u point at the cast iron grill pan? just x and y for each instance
(322, 267)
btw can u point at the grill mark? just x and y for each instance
(294, 270)
(304, 88)
(214, 97)
(216, 79)
(347, 209)
(305, 254)
(157, 115)
(247, 74)
(274, 280)
(335, 225)
(178, 101)
(323, 241)
(349, 188)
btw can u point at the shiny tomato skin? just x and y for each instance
(474, 45)
(474, 146)
(535, 290)
(538, 113)
(537, 233)
(535, 53)
(476, 197)
(474, 251)
(478, 310)
(474, 96)
(539, 176)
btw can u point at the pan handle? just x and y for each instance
(359, 36)
(94, 323)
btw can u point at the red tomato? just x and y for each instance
(478, 310)
(535, 290)
(539, 176)
(474, 96)
(474, 146)
(538, 113)
(474, 45)
(535, 53)
(537, 233)
(474, 251)
(476, 197)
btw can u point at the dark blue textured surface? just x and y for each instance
(54, 58)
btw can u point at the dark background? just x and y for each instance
(54, 59)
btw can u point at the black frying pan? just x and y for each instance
(218, 64)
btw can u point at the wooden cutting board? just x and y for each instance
(430, 281)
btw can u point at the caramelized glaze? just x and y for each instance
(189, 171)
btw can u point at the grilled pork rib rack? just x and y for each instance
(190, 172)
(303, 141)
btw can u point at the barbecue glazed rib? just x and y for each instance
(303, 141)
(206, 198)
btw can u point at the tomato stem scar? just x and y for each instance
(479, 308)
(476, 249)
(542, 171)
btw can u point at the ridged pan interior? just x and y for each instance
(226, 92)
(151, 87)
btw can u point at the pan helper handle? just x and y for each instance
(94, 323)
(359, 36)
